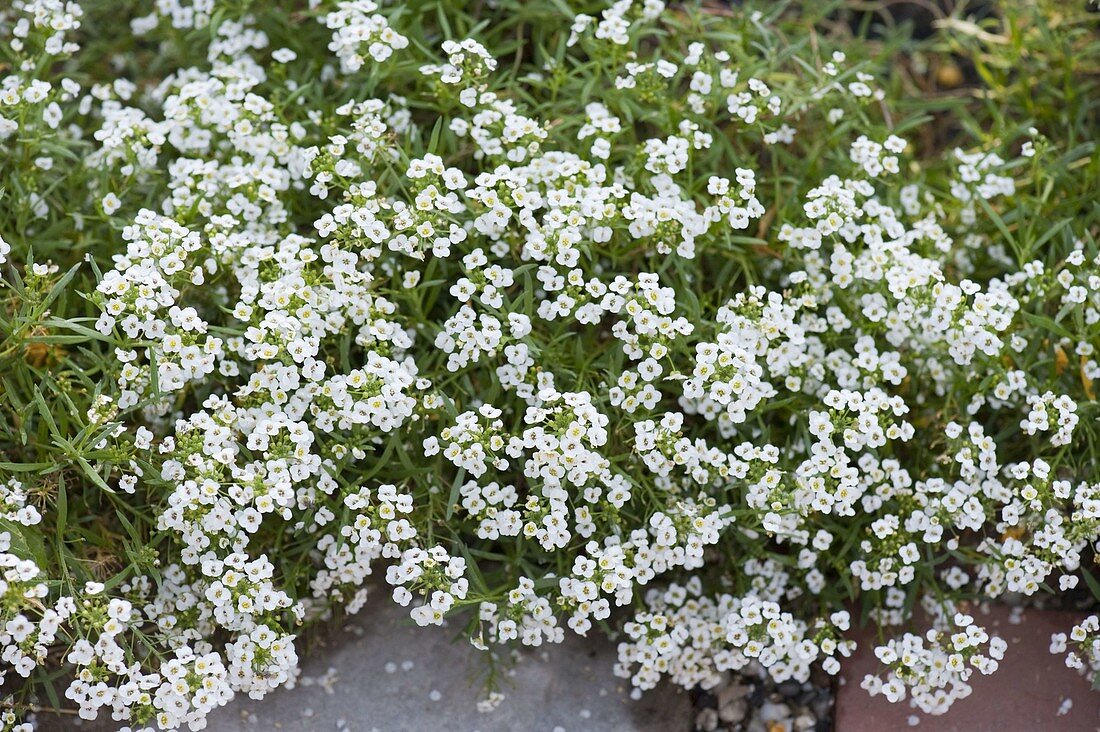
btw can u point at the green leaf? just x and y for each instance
(1091, 581)
(1044, 322)
(452, 499)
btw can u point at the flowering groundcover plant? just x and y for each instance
(702, 326)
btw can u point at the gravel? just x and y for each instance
(751, 704)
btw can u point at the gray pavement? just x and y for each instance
(380, 673)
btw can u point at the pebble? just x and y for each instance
(732, 692)
(790, 689)
(772, 712)
(748, 704)
(733, 712)
(707, 721)
(823, 706)
(804, 722)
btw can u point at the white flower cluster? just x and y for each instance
(1085, 639)
(694, 639)
(614, 23)
(23, 641)
(933, 669)
(356, 24)
(433, 573)
(522, 353)
(728, 381)
(525, 615)
(468, 66)
(13, 504)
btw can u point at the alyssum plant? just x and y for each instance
(625, 316)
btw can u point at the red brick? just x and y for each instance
(1023, 695)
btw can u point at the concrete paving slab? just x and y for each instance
(381, 673)
(1032, 691)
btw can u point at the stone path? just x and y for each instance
(382, 674)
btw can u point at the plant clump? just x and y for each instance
(694, 324)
